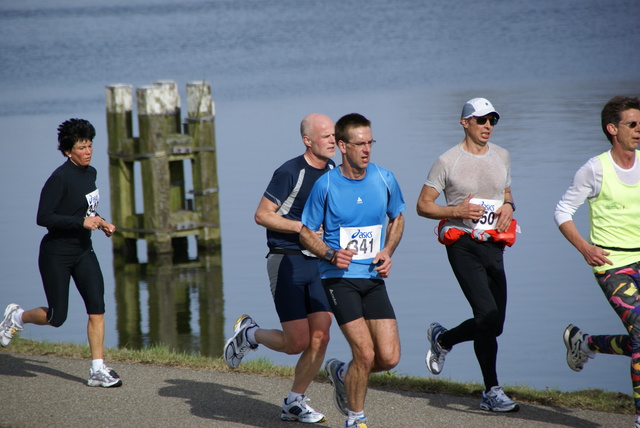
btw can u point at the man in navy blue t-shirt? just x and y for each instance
(301, 303)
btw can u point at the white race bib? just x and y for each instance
(92, 199)
(489, 218)
(365, 240)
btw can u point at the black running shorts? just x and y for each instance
(353, 298)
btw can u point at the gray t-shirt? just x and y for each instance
(458, 173)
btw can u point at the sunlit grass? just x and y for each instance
(591, 399)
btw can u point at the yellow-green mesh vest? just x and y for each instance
(615, 216)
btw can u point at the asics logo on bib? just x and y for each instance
(490, 207)
(361, 235)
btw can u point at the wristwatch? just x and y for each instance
(330, 254)
(512, 205)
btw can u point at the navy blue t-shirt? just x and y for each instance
(289, 189)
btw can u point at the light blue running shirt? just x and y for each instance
(354, 215)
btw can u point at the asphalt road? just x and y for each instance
(47, 391)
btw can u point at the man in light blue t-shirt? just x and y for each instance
(359, 206)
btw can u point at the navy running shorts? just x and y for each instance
(296, 286)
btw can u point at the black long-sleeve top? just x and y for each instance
(68, 196)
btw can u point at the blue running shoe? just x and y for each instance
(436, 353)
(497, 401)
(333, 367)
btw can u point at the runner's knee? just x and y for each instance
(57, 319)
(491, 324)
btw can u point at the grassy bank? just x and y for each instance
(592, 399)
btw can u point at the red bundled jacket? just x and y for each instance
(449, 235)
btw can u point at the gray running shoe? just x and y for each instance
(8, 328)
(573, 339)
(105, 377)
(497, 401)
(358, 423)
(299, 411)
(333, 367)
(238, 345)
(436, 353)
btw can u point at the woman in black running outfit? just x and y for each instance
(67, 208)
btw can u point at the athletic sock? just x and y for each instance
(292, 396)
(353, 416)
(251, 335)
(97, 364)
(17, 318)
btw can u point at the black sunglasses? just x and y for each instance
(631, 125)
(482, 120)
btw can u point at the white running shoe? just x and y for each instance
(573, 339)
(105, 377)
(436, 353)
(238, 345)
(299, 411)
(497, 401)
(333, 367)
(8, 327)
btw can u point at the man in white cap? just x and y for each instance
(475, 177)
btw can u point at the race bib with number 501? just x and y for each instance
(489, 218)
(365, 240)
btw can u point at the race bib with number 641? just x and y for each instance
(365, 240)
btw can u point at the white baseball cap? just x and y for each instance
(478, 107)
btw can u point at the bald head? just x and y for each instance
(311, 122)
(318, 134)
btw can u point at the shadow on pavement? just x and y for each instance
(11, 365)
(225, 403)
(555, 415)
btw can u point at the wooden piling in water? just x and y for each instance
(169, 217)
(123, 146)
(200, 124)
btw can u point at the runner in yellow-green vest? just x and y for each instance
(611, 184)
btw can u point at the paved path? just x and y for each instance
(46, 391)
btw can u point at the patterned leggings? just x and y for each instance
(620, 286)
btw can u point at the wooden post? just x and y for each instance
(152, 103)
(162, 151)
(177, 190)
(200, 125)
(119, 126)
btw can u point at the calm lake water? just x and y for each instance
(547, 66)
